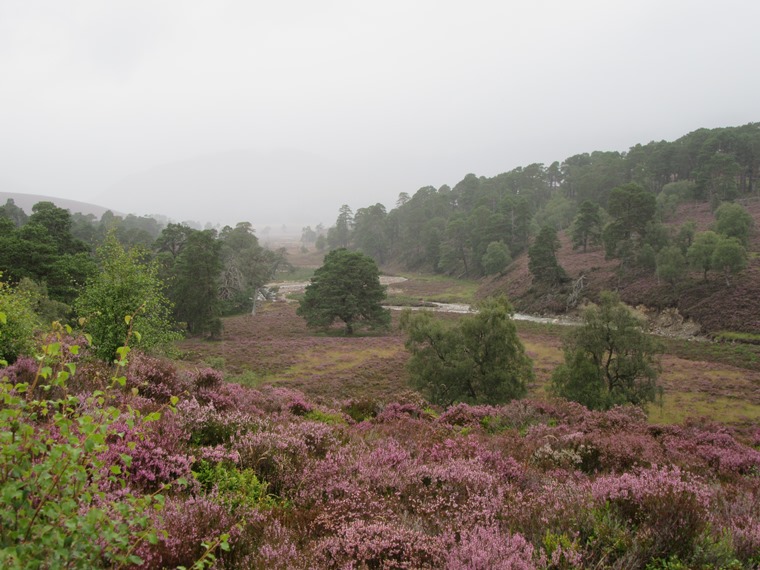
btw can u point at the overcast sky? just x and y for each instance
(320, 103)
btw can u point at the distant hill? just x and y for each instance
(26, 201)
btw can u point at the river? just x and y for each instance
(286, 287)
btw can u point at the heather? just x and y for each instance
(171, 465)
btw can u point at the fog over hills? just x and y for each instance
(283, 187)
(25, 197)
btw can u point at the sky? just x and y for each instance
(279, 112)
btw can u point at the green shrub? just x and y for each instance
(58, 508)
(235, 488)
(17, 323)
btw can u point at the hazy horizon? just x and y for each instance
(278, 113)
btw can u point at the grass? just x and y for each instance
(297, 275)
(333, 360)
(679, 406)
(247, 378)
(733, 336)
(438, 288)
(399, 300)
(718, 380)
(744, 356)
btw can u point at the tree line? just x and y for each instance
(615, 199)
(73, 265)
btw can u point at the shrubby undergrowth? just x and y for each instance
(146, 465)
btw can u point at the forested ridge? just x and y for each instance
(641, 210)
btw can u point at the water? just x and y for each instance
(458, 308)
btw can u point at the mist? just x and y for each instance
(278, 113)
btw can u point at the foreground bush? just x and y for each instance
(161, 467)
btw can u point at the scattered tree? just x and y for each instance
(733, 220)
(126, 286)
(339, 236)
(346, 288)
(196, 282)
(308, 235)
(17, 323)
(496, 258)
(587, 226)
(609, 360)
(730, 257)
(671, 264)
(700, 253)
(542, 258)
(369, 234)
(685, 236)
(480, 360)
(632, 209)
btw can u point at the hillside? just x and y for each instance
(638, 202)
(26, 201)
(713, 305)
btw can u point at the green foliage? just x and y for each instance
(325, 417)
(716, 177)
(633, 207)
(126, 285)
(55, 510)
(246, 268)
(479, 360)
(235, 488)
(557, 212)
(13, 213)
(733, 220)
(579, 380)
(46, 251)
(339, 236)
(671, 264)
(196, 282)
(729, 256)
(173, 238)
(700, 253)
(57, 223)
(587, 226)
(686, 234)
(542, 258)
(346, 288)
(369, 232)
(496, 258)
(17, 324)
(46, 309)
(609, 360)
(456, 251)
(673, 194)
(646, 257)
(632, 210)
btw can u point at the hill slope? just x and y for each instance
(715, 306)
(26, 201)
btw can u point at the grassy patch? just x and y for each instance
(334, 360)
(399, 300)
(438, 288)
(745, 356)
(297, 275)
(679, 406)
(733, 336)
(325, 417)
(247, 378)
